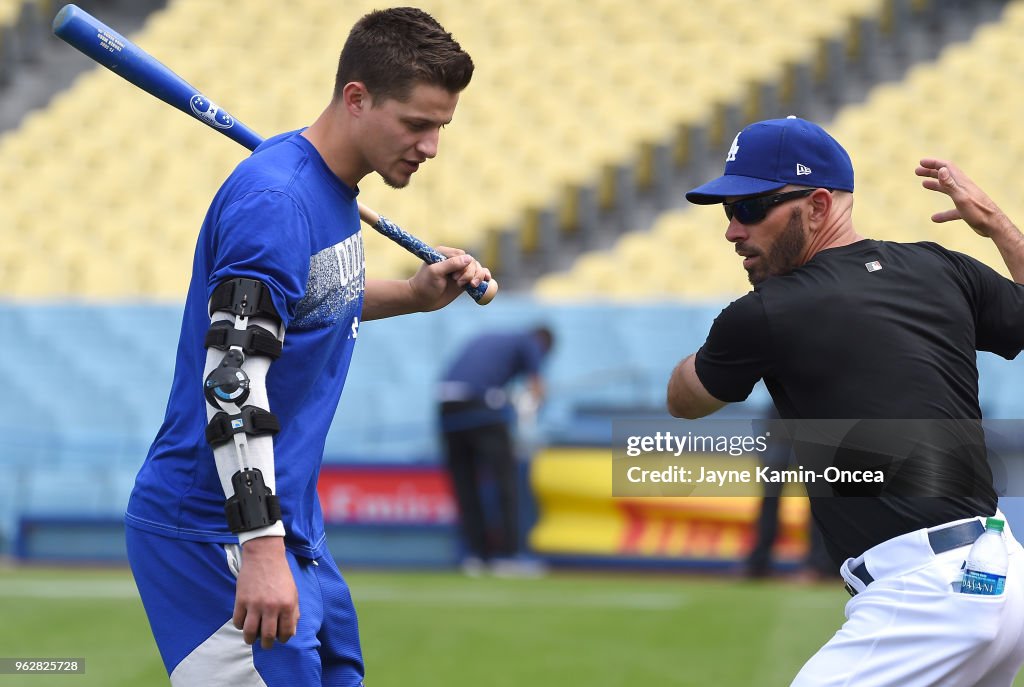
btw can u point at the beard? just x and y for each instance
(784, 255)
(395, 183)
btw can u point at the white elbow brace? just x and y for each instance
(239, 432)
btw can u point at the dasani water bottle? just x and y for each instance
(986, 564)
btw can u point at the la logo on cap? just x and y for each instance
(733, 149)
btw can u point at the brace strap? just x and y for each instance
(250, 420)
(253, 506)
(243, 298)
(254, 340)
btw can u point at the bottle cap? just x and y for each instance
(994, 524)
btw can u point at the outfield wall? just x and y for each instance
(76, 461)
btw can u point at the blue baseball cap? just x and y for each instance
(770, 154)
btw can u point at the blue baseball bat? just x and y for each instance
(98, 41)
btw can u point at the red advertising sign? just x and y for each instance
(392, 495)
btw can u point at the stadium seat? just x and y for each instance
(9, 12)
(58, 491)
(889, 201)
(581, 132)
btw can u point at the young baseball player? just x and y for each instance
(844, 327)
(225, 534)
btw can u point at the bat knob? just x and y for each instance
(489, 293)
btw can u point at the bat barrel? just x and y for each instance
(89, 35)
(98, 41)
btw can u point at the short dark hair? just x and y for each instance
(393, 50)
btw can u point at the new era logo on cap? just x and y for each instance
(773, 153)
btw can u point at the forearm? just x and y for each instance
(389, 298)
(686, 396)
(1010, 243)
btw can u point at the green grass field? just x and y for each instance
(434, 629)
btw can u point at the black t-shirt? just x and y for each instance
(877, 331)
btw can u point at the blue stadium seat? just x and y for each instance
(10, 319)
(64, 408)
(658, 337)
(28, 435)
(150, 328)
(991, 380)
(590, 360)
(1005, 402)
(382, 427)
(71, 491)
(122, 480)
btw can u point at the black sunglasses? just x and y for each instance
(754, 209)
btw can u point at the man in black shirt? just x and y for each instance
(871, 344)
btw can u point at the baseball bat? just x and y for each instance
(98, 41)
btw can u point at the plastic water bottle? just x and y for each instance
(986, 564)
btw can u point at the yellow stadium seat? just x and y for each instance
(9, 13)
(565, 94)
(563, 288)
